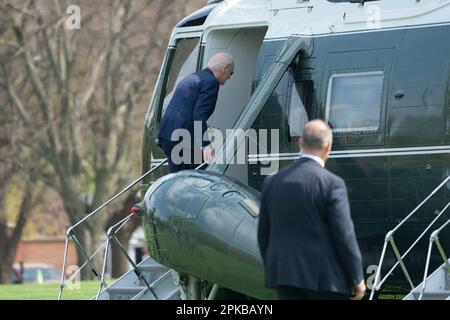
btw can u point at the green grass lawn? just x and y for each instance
(87, 290)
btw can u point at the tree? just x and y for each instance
(9, 239)
(81, 94)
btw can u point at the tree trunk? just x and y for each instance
(5, 175)
(88, 239)
(83, 233)
(3, 235)
(10, 242)
(5, 272)
(119, 261)
(97, 238)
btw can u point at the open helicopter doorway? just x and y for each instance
(244, 45)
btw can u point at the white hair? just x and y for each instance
(219, 60)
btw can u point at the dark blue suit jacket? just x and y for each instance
(193, 100)
(305, 232)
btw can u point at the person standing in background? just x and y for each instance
(305, 232)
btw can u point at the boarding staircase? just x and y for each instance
(433, 287)
(437, 285)
(147, 280)
(132, 287)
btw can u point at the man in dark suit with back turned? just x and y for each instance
(193, 100)
(305, 232)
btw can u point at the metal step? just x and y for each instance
(436, 295)
(123, 293)
(130, 287)
(151, 273)
(163, 287)
(437, 286)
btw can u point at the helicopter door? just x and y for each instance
(183, 58)
(180, 60)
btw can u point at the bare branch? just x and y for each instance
(152, 44)
(51, 58)
(12, 96)
(32, 72)
(123, 135)
(92, 83)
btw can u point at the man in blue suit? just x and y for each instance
(193, 102)
(305, 231)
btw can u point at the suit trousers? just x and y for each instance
(167, 147)
(293, 293)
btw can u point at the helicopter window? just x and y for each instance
(296, 111)
(354, 101)
(184, 62)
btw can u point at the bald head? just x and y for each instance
(222, 65)
(317, 138)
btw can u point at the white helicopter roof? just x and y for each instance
(318, 17)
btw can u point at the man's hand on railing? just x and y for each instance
(359, 291)
(208, 154)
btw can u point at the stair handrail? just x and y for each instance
(434, 239)
(111, 235)
(389, 238)
(71, 235)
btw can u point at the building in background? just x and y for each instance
(45, 250)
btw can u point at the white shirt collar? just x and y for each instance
(315, 158)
